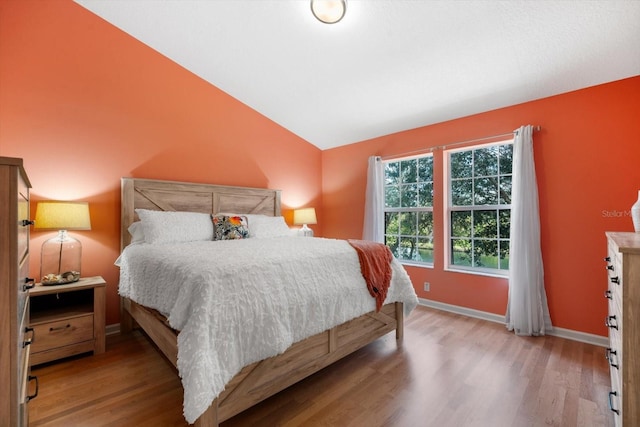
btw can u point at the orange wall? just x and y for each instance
(588, 166)
(84, 104)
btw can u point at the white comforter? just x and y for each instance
(240, 301)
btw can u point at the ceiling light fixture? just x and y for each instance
(329, 11)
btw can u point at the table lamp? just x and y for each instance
(305, 216)
(61, 255)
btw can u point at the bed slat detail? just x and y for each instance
(167, 201)
(301, 360)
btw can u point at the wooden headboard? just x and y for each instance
(192, 197)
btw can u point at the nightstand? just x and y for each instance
(67, 319)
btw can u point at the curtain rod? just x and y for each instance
(453, 144)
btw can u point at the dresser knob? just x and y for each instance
(60, 328)
(607, 294)
(35, 393)
(607, 259)
(611, 394)
(28, 341)
(610, 267)
(615, 280)
(608, 354)
(29, 283)
(611, 322)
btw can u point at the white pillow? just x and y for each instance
(263, 226)
(175, 227)
(137, 233)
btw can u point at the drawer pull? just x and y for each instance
(609, 267)
(611, 394)
(608, 322)
(607, 259)
(607, 294)
(29, 283)
(35, 394)
(27, 222)
(29, 340)
(62, 328)
(608, 354)
(615, 280)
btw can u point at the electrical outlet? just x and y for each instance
(427, 286)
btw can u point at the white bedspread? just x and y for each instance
(240, 301)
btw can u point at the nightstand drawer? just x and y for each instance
(62, 332)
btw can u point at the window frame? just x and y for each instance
(416, 209)
(448, 209)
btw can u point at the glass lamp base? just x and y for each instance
(60, 260)
(306, 231)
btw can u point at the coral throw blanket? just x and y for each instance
(375, 264)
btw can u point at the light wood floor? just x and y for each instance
(451, 371)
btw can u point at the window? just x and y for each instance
(408, 209)
(479, 207)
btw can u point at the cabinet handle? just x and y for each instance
(608, 354)
(607, 259)
(26, 222)
(28, 341)
(35, 394)
(611, 394)
(60, 328)
(607, 294)
(29, 283)
(615, 280)
(609, 267)
(608, 324)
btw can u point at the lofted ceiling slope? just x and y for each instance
(389, 65)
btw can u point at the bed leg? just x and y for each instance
(210, 417)
(126, 321)
(399, 322)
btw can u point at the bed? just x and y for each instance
(262, 378)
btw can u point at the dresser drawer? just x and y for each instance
(23, 219)
(62, 332)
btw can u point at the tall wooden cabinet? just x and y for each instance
(623, 321)
(15, 336)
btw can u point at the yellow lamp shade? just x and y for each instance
(54, 215)
(304, 216)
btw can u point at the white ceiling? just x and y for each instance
(389, 65)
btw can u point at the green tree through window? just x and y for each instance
(480, 206)
(409, 209)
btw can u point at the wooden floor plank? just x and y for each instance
(450, 371)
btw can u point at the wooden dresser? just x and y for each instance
(15, 336)
(623, 322)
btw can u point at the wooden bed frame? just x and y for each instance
(265, 378)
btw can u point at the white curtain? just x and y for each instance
(527, 309)
(374, 202)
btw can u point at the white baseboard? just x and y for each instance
(112, 329)
(558, 332)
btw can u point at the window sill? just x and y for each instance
(487, 273)
(415, 264)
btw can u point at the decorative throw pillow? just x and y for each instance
(229, 227)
